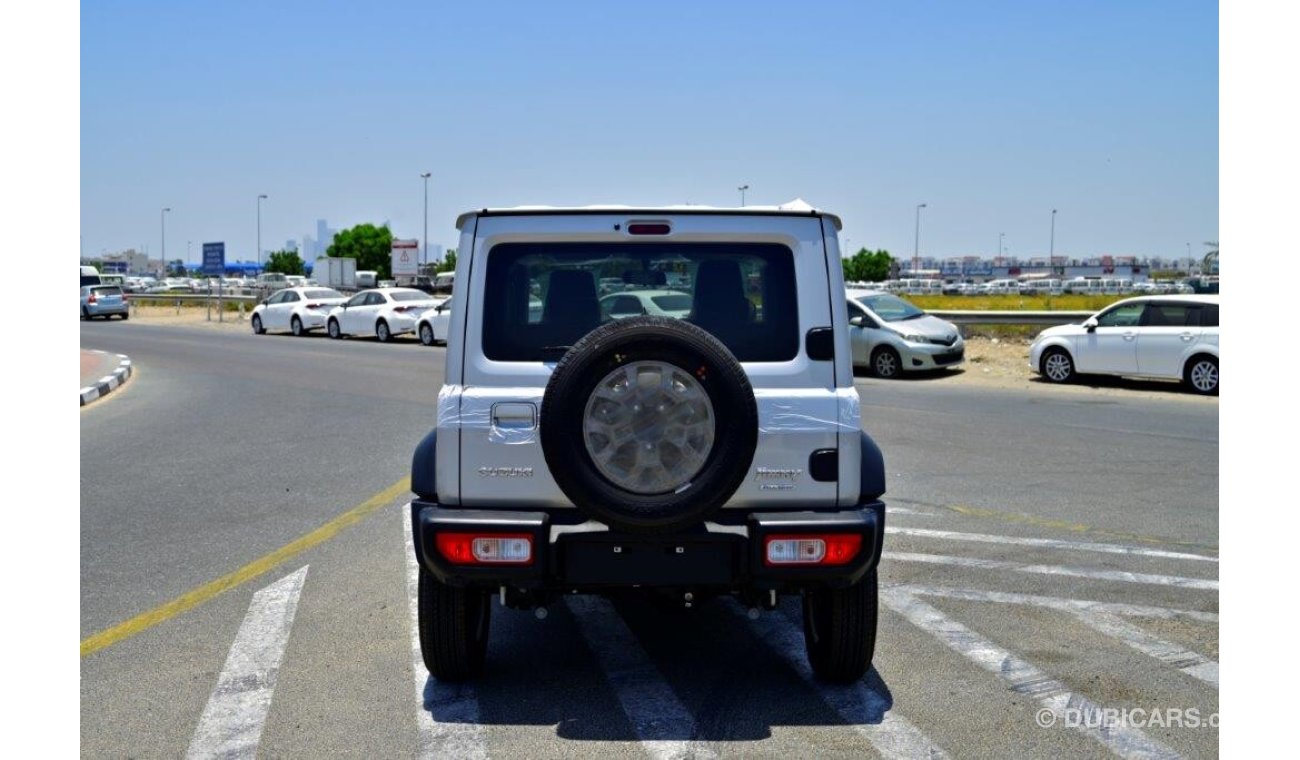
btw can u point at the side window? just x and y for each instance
(377, 299)
(857, 311)
(290, 296)
(357, 300)
(1210, 315)
(1127, 315)
(1166, 315)
(277, 298)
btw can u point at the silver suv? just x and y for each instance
(715, 453)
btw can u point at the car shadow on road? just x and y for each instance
(702, 674)
(1121, 383)
(943, 373)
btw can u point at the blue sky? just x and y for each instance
(991, 113)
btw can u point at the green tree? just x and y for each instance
(1211, 258)
(371, 246)
(448, 264)
(867, 266)
(285, 262)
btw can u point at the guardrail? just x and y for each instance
(1016, 317)
(199, 297)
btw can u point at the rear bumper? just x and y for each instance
(590, 557)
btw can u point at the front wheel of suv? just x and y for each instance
(454, 626)
(839, 627)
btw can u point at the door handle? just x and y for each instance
(1129, 336)
(1186, 336)
(515, 415)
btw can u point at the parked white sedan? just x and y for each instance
(1165, 337)
(433, 325)
(297, 310)
(381, 312)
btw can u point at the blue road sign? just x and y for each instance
(214, 259)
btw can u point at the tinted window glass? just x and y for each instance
(1210, 316)
(1167, 314)
(675, 302)
(290, 296)
(108, 290)
(545, 295)
(357, 300)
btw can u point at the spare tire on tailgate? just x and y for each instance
(649, 424)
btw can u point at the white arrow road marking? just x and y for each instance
(1024, 678)
(651, 707)
(232, 722)
(861, 706)
(456, 731)
(1049, 543)
(1106, 618)
(1205, 584)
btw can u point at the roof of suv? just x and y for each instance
(796, 207)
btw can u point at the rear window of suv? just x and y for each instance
(743, 293)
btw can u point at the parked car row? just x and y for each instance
(383, 313)
(1031, 286)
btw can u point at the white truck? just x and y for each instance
(335, 272)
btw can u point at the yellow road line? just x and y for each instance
(192, 599)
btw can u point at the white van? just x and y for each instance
(90, 276)
(367, 278)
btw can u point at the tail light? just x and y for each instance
(486, 548)
(403, 308)
(812, 549)
(92, 298)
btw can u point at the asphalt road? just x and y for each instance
(1054, 549)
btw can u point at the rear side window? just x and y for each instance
(543, 297)
(1210, 315)
(1169, 315)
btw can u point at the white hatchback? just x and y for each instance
(1164, 337)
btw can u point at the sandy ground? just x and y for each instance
(997, 362)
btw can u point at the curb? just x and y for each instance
(108, 383)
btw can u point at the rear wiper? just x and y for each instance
(554, 353)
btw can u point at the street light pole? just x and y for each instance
(742, 190)
(1000, 236)
(163, 217)
(425, 177)
(916, 249)
(261, 197)
(1051, 251)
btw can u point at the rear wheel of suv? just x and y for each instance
(454, 625)
(648, 424)
(839, 627)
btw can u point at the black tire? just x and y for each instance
(382, 332)
(426, 334)
(886, 363)
(295, 326)
(660, 339)
(1057, 366)
(126, 315)
(85, 314)
(257, 325)
(332, 327)
(1201, 375)
(454, 624)
(839, 627)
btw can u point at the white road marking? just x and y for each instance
(654, 711)
(862, 707)
(232, 722)
(1105, 618)
(1025, 678)
(892, 510)
(1078, 572)
(1189, 662)
(456, 731)
(1049, 543)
